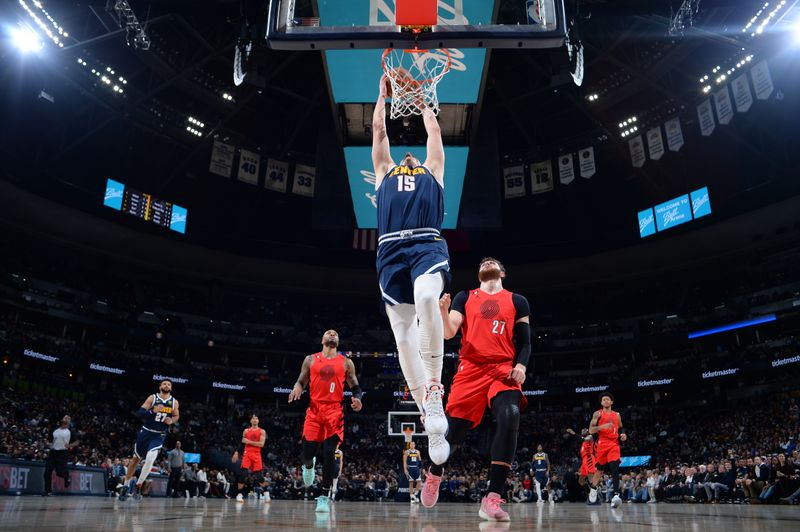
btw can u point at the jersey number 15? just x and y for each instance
(405, 183)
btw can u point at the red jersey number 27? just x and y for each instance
(498, 327)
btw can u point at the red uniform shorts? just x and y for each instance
(251, 460)
(474, 387)
(323, 420)
(605, 452)
(587, 467)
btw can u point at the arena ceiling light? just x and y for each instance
(106, 76)
(26, 40)
(226, 96)
(592, 97)
(196, 122)
(44, 21)
(756, 28)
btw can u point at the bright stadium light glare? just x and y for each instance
(26, 40)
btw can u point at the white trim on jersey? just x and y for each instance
(408, 233)
(443, 263)
(386, 296)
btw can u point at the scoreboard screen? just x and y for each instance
(149, 208)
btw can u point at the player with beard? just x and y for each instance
(608, 425)
(157, 413)
(413, 264)
(325, 373)
(495, 348)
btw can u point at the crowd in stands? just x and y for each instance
(719, 453)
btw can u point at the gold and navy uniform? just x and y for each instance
(410, 204)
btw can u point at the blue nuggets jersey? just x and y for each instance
(157, 424)
(409, 198)
(540, 462)
(413, 458)
(337, 456)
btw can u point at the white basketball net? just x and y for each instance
(413, 75)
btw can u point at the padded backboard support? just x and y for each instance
(416, 13)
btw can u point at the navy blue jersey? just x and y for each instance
(157, 424)
(413, 458)
(540, 463)
(409, 198)
(337, 456)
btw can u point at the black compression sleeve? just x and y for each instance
(460, 303)
(522, 342)
(521, 306)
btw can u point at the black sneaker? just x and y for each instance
(47, 494)
(123, 493)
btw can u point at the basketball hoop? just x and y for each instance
(414, 75)
(408, 433)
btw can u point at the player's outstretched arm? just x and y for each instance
(381, 157)
(352, 382)
(435, 147)
(302, 380)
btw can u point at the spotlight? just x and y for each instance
(26, 39)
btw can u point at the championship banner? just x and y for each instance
(514, 179)
(674, 134)
(303, 180)
(221, 159)
(741, 93)
(249, 162)
(722, 101)
(541, 177)
(586, 162)
(566, 172)
(636, 147)
(762, 80)
(655, 143)
(706, 118)
(277, 175)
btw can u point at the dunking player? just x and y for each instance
(157, 413)
(587, 456)
(326, 371)
(338, 459)
(541, 473)
(253, 439)
(495, 348)
(411, 465)
(608, 425)
(413, 264)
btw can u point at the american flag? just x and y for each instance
(306, 21)
(365, 239)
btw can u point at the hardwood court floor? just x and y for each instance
(152, 515)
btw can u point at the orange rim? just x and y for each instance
(390, 73)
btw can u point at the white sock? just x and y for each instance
(427, 289)
(148, 465)
(403, 319)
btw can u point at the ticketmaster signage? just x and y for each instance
(720, 373)
(227, 386)
(659, 382)
(534, 392)
(34, 354)
(674, 212)
(585, 389)
(159, 377)
(783, 361)
(107, 369)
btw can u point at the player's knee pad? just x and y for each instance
(613, 467)
(506, 410)
(427, 289)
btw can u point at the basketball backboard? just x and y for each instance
(371, 24)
